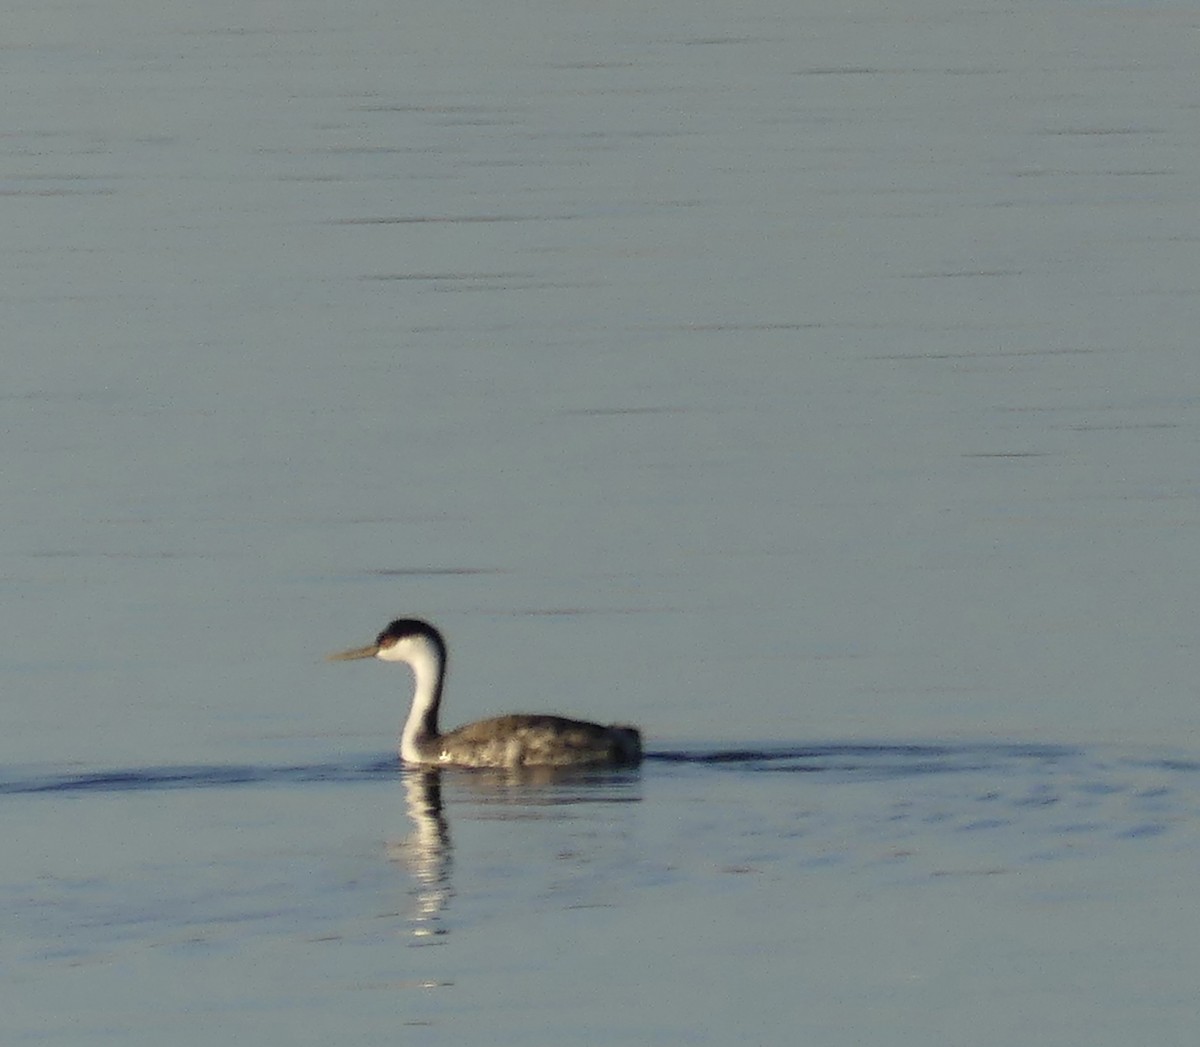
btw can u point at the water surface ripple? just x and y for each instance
(879, 761)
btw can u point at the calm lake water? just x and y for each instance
(815, 387)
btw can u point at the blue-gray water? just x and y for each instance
(976, 893)
(815, 387)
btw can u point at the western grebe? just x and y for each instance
(517, 740)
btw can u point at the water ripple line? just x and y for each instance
(878, 761)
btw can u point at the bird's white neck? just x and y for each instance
(428, 667)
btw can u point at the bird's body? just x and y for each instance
(515, 740)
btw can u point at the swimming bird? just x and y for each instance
(516, 740)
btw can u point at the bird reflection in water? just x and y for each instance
(510, 794)
(426, 852)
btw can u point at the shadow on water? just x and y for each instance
(858, 762)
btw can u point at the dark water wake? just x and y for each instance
(859, 762)
(189, 776)
(874, 761)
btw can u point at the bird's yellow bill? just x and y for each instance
(354, 652)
